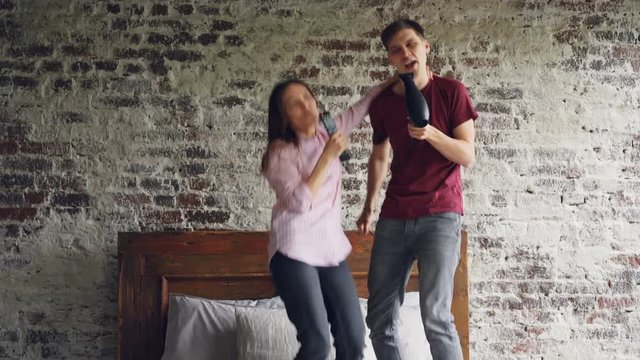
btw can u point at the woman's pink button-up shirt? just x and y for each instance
(305, 229)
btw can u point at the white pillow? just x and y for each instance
(369, 354)
(265, 334)
(412, 298)
(197, 329)
(200, 328)
(413, 342)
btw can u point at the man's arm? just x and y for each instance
(378, 168)
(459, 149)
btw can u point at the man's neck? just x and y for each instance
(421, 80)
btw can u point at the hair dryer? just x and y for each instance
(416, 104)
(330, 125)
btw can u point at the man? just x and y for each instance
(420, 218)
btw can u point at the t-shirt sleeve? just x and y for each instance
(461, 106)
(377, 124)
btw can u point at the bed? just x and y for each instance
(220, 265)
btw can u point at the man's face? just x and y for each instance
(408, 52)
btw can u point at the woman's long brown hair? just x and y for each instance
(279, 127)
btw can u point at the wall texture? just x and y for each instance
(132, 115)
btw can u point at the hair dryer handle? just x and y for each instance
(330, 125)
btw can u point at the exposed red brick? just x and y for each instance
(198, 183)
(16, 181)
(164, 200)
(222, 25)
(208, 10)
(379, 75)
(184, 9)
(207, 217)
(189, 200)
(630, 260)
(6, 5)
(113, 8)
(164, 217)
(615, 302)
(505, 93)
(352, 184)
(211, 201)
(299, 59)
(159, 9)
(591, 317)
(525, 347)
(230, 101)
(20, 214)
(601, 333)
(334, 90)
(352, 199)
(208, 39)
(490, 243)
(28, 164)
(192, 135)
(476, 62)
(34, 198)
(8, 148)
(196, 152)
(498, 200)
(495, 108)
(308, 72)
(11, 199)
(567, 36)
(626, 52)
(53, 149)
(54, 182)
(194, 169)
(285, 13)
(360, 138)
(67, 165)
(72, 199)
(243, 84)
(233, 40)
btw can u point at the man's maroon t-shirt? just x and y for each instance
(423, 182)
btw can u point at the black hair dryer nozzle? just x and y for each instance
(416, 105)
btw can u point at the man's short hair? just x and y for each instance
(398, 25)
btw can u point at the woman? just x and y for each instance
(307, 245)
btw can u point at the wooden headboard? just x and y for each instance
(220, 265)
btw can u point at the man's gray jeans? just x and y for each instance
(434, 241)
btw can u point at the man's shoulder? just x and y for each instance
(448, 84)
(385, 95)
(382, 102)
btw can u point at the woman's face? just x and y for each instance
(300, 108)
